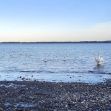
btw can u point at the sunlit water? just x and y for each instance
(59, 62)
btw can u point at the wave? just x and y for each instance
(56, 72)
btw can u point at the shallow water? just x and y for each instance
(66, 62)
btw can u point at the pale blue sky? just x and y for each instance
(55, 20)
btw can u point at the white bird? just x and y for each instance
(99, 60)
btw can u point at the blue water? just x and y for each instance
(59, 62)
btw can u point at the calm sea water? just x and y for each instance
(66, 62)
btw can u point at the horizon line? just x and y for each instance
(98, 41)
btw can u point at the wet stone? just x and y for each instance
(46, 96)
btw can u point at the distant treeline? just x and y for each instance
(58, 42)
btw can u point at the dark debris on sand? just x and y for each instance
(50, 96)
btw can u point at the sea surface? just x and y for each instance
(54, 62)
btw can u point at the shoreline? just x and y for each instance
(54, 96)
(52, 42)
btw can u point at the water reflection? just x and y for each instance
(99, 68)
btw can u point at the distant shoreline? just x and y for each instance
(56, 42)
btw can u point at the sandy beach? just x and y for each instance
(51, 96)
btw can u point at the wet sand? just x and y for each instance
(51, 96)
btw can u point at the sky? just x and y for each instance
(55, 20)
